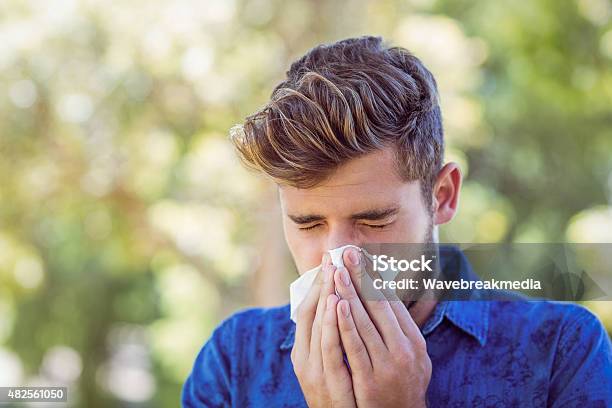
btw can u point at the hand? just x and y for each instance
(385, 349)
(317, 354)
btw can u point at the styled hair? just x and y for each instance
(341, 101)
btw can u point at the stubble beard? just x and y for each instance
(429, 239)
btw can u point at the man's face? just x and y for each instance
(364, 201)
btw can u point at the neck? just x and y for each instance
(421, 310)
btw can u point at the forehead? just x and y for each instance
(367, 182)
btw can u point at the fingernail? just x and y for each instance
(344, 306)
(353, 257)
(330, 301)
(344, 276)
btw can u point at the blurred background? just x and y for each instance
(128, 229)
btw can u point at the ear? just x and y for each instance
(446, 193)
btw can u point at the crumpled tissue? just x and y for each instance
(299, 288)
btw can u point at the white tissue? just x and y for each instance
(299, 288)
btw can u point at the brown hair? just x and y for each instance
(341, 101)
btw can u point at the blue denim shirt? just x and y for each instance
(484, 354)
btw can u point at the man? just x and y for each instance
(353, 138)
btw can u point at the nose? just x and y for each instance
(340, 235)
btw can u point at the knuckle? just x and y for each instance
(350, 295)
(326, 348)
(420, 344)
(346, 327)
(378, 304)
(353, 343)
(370, 330)
(404, 359)
(359, 348)
(423, 364)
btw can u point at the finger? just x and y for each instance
(320, 302)
(365, 327)
(336, 373)
(400, 310)
(356, 350)
(374, 300)
(326, 290)
(406, 323)
(405, 320)
(407, 326)
(305, 316)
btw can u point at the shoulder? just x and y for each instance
(538, 311)
(253, 318)
(547, 323)
(229, 360)
(253, 326)
(579, 330)
(260, 314)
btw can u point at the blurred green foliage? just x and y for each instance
(127, 227)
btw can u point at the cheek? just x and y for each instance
(419, 222)
(305, 250)
(413, 229)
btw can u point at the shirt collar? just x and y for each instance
(471, 316)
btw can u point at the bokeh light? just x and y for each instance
(129, 229)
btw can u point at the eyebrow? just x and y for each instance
(374, 214)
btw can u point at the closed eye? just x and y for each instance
(373, 226)
(310, 228)
(377, 226)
